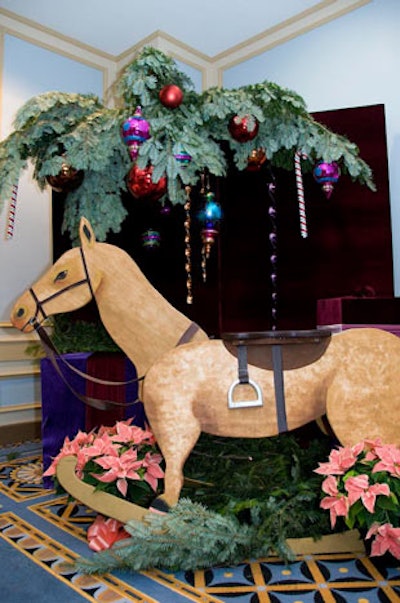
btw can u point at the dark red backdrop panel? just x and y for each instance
(349, 247)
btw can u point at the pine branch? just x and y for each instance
(56, 127)
(188, 537)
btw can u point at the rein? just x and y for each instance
(53, 354)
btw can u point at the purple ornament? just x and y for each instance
(151, 239)
(326, 174)
(272, 239)
(135, 130)
(183, 158)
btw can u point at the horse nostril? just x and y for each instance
(20, 312)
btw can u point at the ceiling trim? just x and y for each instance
(30, 28)
(211, 68)
(314, 17)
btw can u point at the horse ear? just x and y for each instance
(86, 233)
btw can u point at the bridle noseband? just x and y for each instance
(40, 302)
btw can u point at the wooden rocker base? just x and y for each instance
(122, 510)
(101, 502)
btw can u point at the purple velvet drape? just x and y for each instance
(64, 414)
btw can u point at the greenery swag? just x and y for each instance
(56, 127)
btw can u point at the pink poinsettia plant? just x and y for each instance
(362, 488)
(122, 460)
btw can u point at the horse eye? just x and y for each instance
(61, 276)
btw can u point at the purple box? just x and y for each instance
(358, 311)
(64, 414)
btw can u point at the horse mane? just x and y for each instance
(138, 318)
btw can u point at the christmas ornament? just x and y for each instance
(151, 239)
(171, 96)
(135, 130)
(273, 240)
(255, 160)
(244, 128)
(210, 217)
(11, 212)
(183, 158)
(68, 179)
(188, 248)
(327, 174)
(141, 185)
(300, 193)
(166, 208)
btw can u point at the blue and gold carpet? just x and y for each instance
(40, 532)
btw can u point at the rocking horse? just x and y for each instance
(228, 387)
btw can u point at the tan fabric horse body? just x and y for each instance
(353, 377)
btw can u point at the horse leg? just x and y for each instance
(175, 446)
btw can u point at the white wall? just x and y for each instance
(350, 62)
(29, 70)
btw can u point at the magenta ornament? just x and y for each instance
(135, 130)
(326, 174)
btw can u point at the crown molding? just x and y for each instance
(211, 68)
(310, 19)
(53, 40)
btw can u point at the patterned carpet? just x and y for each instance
(41, 532)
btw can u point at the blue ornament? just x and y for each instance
(211, 214)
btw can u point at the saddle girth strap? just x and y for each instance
(279, 386)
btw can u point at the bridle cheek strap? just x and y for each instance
(40, 302)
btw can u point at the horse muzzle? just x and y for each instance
(22, 319)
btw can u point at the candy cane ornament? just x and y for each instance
(11, 212)
(300, 193)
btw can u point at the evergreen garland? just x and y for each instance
(54, 127)
(243, 498)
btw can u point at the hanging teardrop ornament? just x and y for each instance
(210, 217)
(327, 174)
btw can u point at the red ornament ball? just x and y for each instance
(171, 96)
(256, 159)
(141, 185)
(244, 128)
(68, 179)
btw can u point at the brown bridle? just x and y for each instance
(33, 321)
(55, 356)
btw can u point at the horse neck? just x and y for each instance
(137, 317)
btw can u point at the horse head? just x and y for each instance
(64, 287)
